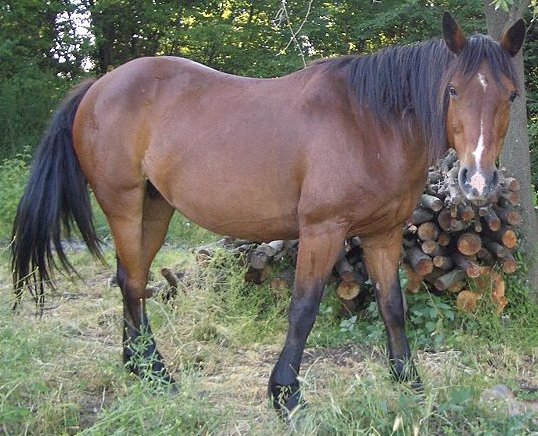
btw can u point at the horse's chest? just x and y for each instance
(376, 208)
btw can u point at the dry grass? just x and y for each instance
(62, 373)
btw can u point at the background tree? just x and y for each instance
(516, 153)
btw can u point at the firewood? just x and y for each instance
(511, 197)
(498, 250)
(456, 287)
(492, 219)
(443, 262)
(477, 225)
(432, 248)
(262, 254)
(349, 287)
(434, 176)
(444, 219)
(444, 239)
(484, 210)
(509, 264)
(451, 176)
(469, 243)
(203, 256)
(508, 215)
(505, 236)
(420, 262)
(428, 231)
(484, 255)
(344, 268)
(421, 215)
(471, 268)
(170, 277)
(511, 184)
(256, 275)
(282, 284)
(448, 223)
(467, 301)
(290, 249)
(414, 280)
(492, 282)
(454, 195)
(448, 161)
(431, 202)
(466, 212)
(409, 240)
(348, 290)
(445, 281)
(279, 284)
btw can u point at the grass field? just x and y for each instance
(62, 373)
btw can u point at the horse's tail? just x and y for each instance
(55, 198)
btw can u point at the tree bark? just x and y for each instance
(515, 156)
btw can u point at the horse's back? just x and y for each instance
(226, 151)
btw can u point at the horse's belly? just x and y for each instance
(234, 201)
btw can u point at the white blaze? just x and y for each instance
(482, 81)
(477, 153)
(477, 180)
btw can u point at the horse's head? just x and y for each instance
(479, 89)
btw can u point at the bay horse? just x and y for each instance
(338, 149)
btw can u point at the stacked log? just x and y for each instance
(448, 240)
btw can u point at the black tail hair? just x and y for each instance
(55, 198)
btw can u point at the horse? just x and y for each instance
(338, 149)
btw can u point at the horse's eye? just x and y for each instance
(452, 91)
(513, 96)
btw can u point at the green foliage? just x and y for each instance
(13, 176)
(431, 320)
(26, 104)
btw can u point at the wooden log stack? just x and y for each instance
(447, 239)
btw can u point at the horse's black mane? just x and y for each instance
(403, 80)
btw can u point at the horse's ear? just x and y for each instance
(513, 39)
(452, 34)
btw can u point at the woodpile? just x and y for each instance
(447, 240)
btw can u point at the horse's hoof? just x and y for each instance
(286, 399)
(417, 386)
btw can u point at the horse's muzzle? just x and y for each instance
(478, 186)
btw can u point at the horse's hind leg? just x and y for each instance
(139, 224)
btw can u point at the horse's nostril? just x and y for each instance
(462, 179)
(496, 179)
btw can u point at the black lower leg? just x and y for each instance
(140, 353)
(283, 383)
(392, 311)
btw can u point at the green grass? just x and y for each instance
(62, 373)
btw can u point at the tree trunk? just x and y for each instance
(515, 156)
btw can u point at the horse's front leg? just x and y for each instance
(319, 246)
(382, 256)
